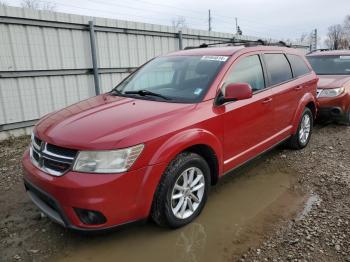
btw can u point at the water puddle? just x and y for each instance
(313, 200)
(238, 212)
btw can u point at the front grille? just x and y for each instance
(61, 151)
(51, 159)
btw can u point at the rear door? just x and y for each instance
(247, 123)
(284, 92)
(300, 70)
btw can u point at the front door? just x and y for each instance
(248, 124)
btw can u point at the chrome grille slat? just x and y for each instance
(50, 161)
(46, 152)
(35, 143)
(57, 160)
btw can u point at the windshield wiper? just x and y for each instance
(144, 92)
(115, 91)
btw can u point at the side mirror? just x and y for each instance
(237, 91)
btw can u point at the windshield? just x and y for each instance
(330, 65)
(173, 79)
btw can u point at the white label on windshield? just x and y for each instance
(197, 91)
(344, 57)
(214, 58)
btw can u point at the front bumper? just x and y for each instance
(121, 198)
(336, 108)
(333, 113)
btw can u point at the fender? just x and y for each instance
(347, 90)
(307, 98)
(180, 141)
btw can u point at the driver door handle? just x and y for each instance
(267, 100)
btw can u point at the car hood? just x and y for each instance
(332, 81)
(107, 122)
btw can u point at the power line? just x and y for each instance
(101, 10)
(140, 9)
(188, 10)
(119, 13)
(256, 23)
(200, 24)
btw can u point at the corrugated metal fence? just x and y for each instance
(46, 59)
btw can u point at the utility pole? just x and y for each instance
(314, 40)
(209, 20)
(238, 29)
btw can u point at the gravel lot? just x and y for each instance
(319, 232)
(10, 156)
(322, 233)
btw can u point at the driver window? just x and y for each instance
(248, 70)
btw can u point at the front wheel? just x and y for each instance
(302, 137)
(182, 191)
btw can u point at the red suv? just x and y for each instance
(153, 145)
(333, 93)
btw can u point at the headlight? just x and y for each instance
(333, 92)
(109, 161)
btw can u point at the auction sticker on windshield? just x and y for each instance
(214, 58)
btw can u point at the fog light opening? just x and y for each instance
(335, 111)
(90, 217)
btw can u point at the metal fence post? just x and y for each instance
(180, 40)
(94, 57)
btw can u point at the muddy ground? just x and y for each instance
(285, 206)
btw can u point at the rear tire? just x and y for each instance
(182, 191)
(302, 137)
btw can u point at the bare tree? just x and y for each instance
(304, 38)
(346, 27)
(38, 5)
(307, 39)
(48, 6)
(336, 38)
(3, 2)
(179, 22)
(33, 4)
(347, 23)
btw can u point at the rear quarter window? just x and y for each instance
(299, 66)
(278, 68)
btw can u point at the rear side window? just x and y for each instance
(248, 70)
(298, 65)
(278, 68)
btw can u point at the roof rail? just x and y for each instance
(319, 50)
(238, 42)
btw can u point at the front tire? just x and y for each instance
(302, 137)
(182, 191)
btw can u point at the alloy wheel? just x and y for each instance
(305, 129)
(187, 193)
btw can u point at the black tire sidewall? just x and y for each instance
(307, 111)
(195, 161)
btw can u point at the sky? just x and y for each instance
(262, 18)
